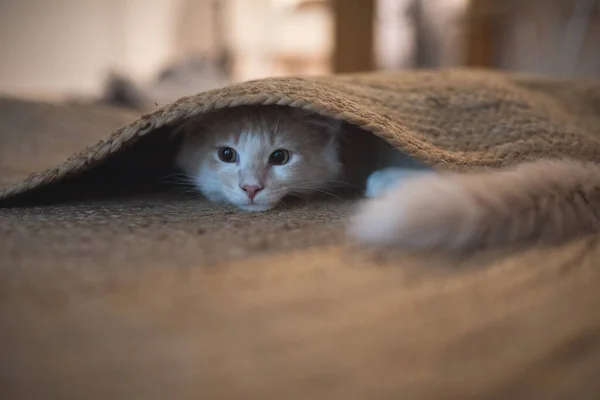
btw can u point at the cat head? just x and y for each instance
(253, 157)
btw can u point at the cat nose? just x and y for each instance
(251, 190)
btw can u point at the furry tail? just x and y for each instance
(544, 201)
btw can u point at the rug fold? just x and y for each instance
(449, 119)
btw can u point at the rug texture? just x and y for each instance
(111, 287)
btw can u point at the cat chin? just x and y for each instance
(255, 207)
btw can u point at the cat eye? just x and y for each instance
(279, 157)
(227, 154)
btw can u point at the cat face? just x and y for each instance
(254, 157)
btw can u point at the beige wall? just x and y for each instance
(39, 39)
(51, 47)
(558, 37)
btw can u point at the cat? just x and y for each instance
(254, 157)
(547, 200)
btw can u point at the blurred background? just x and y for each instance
(145, 53)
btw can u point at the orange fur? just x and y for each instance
(546, 200)
(254, 133)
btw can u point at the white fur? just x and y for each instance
(254, 133)
(313, 162)
(413, 215)
(387, 179)
(409, 206)
(547, 200)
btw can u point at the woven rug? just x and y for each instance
(111, 287)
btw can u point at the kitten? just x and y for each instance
(253, 157)
(548, 200)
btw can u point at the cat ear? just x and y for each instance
(189, 130)
(327, 125)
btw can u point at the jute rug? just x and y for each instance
(112, 286)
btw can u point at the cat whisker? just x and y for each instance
(328, 183)
(283, 202)
(178, 176)
(312, 189)
(177, 181)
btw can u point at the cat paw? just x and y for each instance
(434, 211)
(384, 180)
